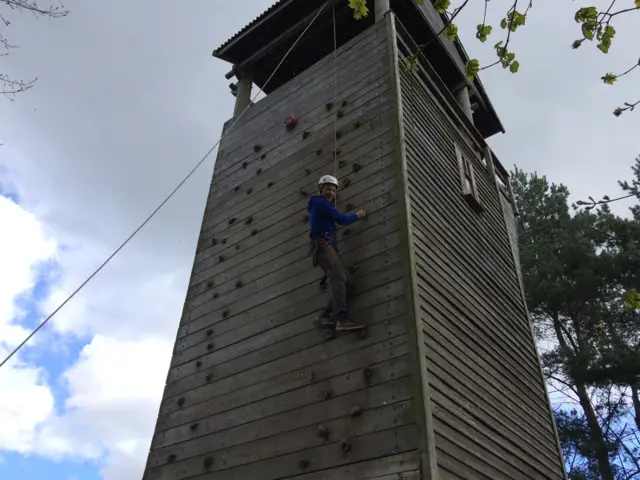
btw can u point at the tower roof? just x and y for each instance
(263, 43)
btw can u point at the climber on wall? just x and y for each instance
(324, 248)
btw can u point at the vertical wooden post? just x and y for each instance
(462, 96)
(382, 7)
(243, 95)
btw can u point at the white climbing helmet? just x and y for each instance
(327, 179)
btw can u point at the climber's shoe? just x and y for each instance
(345, 324)
(324, 319)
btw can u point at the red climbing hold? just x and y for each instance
(291, 122)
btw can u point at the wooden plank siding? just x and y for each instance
(490, 412)
(251, 378)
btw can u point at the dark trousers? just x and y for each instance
(339, 278)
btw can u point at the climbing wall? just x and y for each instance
(254, 390)
(490, 411)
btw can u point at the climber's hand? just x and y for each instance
(361, 214)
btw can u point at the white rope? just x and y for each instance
(135, 232)
(335, 99)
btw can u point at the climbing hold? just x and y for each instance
(323, 431)
(215, 295)
(341, 163)
(225, 313)
(198, 364)
(318, 152)
(209, 332)
(257, 148)
(349, 207)
(209, 377)
(238, 283)
(244, 164)
(214, 242)
(336, 152)
(224, 241)
(356, 411)
(327, 393)
(237, 246)
(346, 232)
(346, 183)
(208, 461)
(232, 221)
(340, 114)
(305, 219)
(254, 231)
(305, 135)
(291, 122)
(344, 103)
(248, 221)
(356, 124)
(194, 426)
(259, 171)
(356, 167)
(346, 446)
(338, 134)
(367, 372)
(361, 334)
(171, 458)
(312, 376)
(352, 268)
(236, 188)
(180, 401)
(249, 191)
(263, 156)
(221, 258)
(270, 184)
(329, 106)
(209, 284)
(303, 193)
(209, 346)
(303, 464)
(307, 171)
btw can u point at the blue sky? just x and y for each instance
(54, 363)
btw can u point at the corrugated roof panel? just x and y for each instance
(251, 24)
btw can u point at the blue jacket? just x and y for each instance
(323, 216)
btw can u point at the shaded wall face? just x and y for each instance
(251, 379)
(491, 416)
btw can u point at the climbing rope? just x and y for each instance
(173, 192)
(335, 99)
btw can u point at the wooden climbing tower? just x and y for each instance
(447, 382)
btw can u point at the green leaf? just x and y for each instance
(603, 47)
(419, 2)
(483, 32)
(359, 8)
(637, 3)
(588, 34)
(513, 68)
(632, 299)
(503, 23)
(411, 62)
(609, 78)
(451, 31)
(471, 69)
(441, 5)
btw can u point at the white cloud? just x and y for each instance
(114, 390)
(128, 315)
(25, 398)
